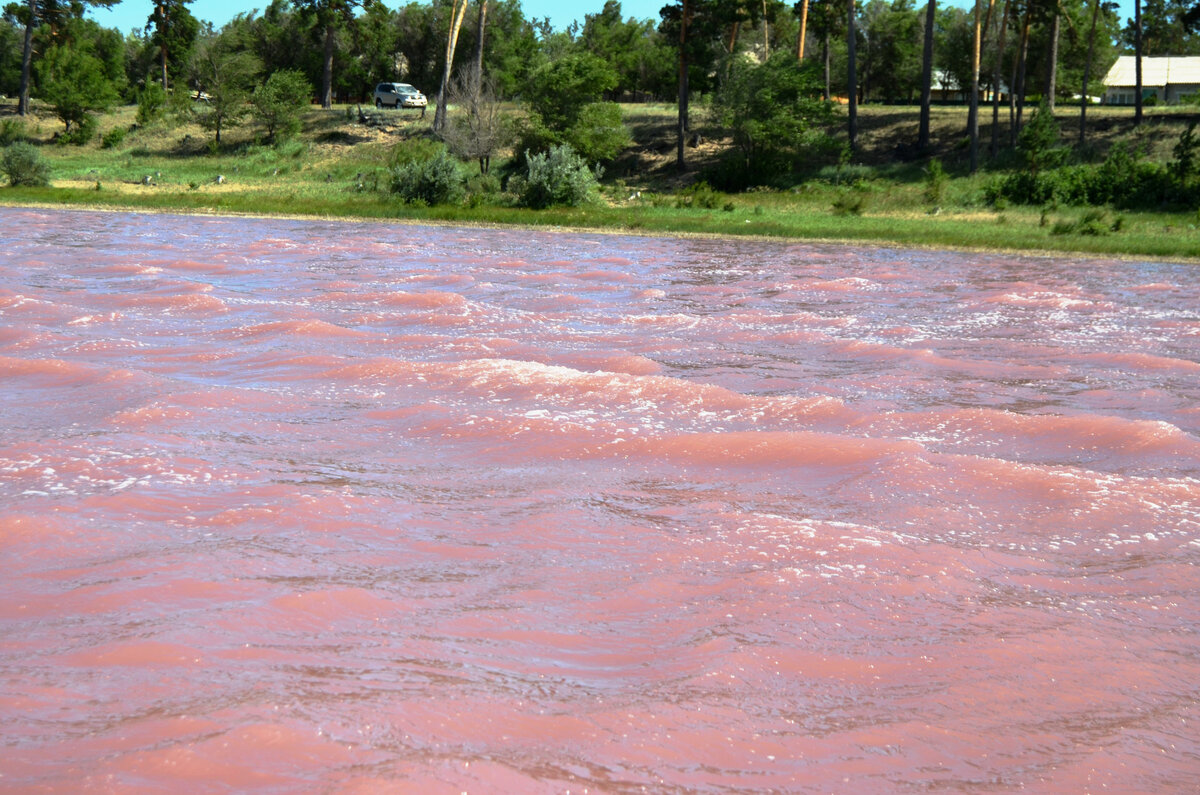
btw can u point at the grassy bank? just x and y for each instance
(336, 168)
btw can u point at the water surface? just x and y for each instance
(311, 506)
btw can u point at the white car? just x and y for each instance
(399, 95)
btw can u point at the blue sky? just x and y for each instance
(132, 14)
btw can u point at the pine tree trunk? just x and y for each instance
(852, 76)
(458, 12)
(973, 115)
(27, 60)
(1052, 62)
(681, 124)
(162, 36)
(996, 68)
(327, 69)
(1087, 69)
(1019, 90)
(803, 31)
(926, 78)
(1137, 53)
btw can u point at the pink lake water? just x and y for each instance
(298, 506)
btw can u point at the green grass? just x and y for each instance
(336, 168)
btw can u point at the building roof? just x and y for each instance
(1158, 71)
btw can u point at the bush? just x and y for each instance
(433, 181)
(599, 134)
(279, 101)
(699, 196)
(151, 102)
(557, 177)
(23, 165)
(113, 137)
(1038, 141)
(935, 182)
(11, 131)
(84, 130)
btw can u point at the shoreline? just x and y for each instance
(599, 229)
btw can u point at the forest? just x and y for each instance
(781, 87)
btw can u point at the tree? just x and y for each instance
(458, 12)
(773, 111)
(973, 115)
(173, 31)
(55, 14)
(926, 77)
(226, 72)
(279, 101)
(996, 66)
(75, 84)
(330, 15)
(479, 130)
(852, 76)
(558, 91)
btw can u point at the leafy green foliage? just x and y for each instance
(279, 101)
(599, 134)
(22, 163)
(226, 73)
(935, 182)
(74, 83)
(113, 138)
(434, 180)
(11, 131)
(151, 100)
(558, 91)
(557, 177)
(773, 112)
(699, 196)
(1038, 141)
(1123, 180)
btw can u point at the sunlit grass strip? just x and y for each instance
(1143, 234)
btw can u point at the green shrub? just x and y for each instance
(700, 196)
(433, 181)
(151, 102)
(414, 150)
(1038, 141)
(11, 131)
(935, 182)
(113, 137)
(83, 131)
(852, 201)
(557, 177)
(599, 135)
(279, 101)
(22, 163)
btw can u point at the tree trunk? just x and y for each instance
(996, 67)
(825, 57)
(456, 20)
(479, 46)
(1087, 69)
(162, 35)
(766, 32)
(1137, 52)
(327, 69)
(1019, 90)
(681, 124)
(973, 114)
(803, 31)
(926, 78)
(852, 76)
(27, 60)
(1052, 61)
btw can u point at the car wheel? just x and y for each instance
(378, 102)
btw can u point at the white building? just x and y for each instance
(1167, 78)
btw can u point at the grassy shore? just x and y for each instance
(335, 169)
